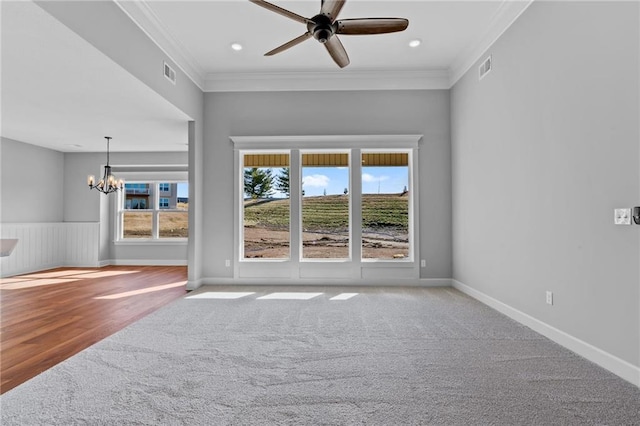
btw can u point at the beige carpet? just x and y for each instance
(382, 357)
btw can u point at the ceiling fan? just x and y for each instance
(325, 28)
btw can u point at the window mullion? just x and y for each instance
(156, 211)
(295, 182)
(356, 205)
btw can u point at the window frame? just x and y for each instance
(410, 188)
(241, 238)
(155, 211)
(350, 254)
(321, 269)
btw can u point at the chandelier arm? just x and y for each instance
(108, 185)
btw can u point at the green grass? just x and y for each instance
(330, 212)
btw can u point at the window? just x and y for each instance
(266, 206)
(385, 205)
(348, 214)
(325, 205)
(140, 216)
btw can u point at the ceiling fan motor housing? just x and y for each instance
(322, 27)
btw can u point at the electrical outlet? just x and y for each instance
(549, 298)
(622, 216)
(227, 263)
(423, 263)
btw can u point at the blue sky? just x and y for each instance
(183, 190)
(383, 180)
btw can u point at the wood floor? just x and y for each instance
(47, 317)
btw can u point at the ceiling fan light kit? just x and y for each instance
(325, 28)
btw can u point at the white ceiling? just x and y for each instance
(60, 92)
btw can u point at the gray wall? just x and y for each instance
(31, 183)
(544, 148)
(320, 113)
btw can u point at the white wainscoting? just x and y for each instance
(50, 245)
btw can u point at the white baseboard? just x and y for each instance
(435, 282)
(619, 367)
(424, 282)
(148, 262)
(194, 285)
(29, 270)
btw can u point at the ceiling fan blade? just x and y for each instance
(337, 52)
(289, 44)
(281, 11)
(371, 26)
(331, 8)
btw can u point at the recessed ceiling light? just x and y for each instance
(415, 43)
(236, 46)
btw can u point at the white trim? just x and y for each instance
(508, 12)
(353, 268)
(427, 79)
(194, 284)
(610, 362)
(146, 19)
(409, 282)
(50, 245)
(432, 79)
(435, 282)
(388, 142)
(148, 262)
(152, 242)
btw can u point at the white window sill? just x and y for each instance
(152, 242)
(374, 263)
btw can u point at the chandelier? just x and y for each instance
(108, 183)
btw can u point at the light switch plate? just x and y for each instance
(622, 216)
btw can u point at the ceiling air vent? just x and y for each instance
(485, 67)
(169, 73)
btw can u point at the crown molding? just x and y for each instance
(143, 16)
(330, 80)
(507, 13)
(408, 141)
(146, 19)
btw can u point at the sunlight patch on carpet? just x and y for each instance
(289, 296)
(221, 295)
(344, 296)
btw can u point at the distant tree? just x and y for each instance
(325, 192)
(346, 191)
(258, 182)
(282, 181)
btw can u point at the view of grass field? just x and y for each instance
(171, 224)
(325, 222)
(380, 212)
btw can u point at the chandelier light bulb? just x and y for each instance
(108, 183)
